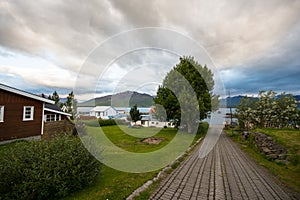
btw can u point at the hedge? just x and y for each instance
(46, 169)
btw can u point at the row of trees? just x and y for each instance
(68, 106)
(269, 110)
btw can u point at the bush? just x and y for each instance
(106, 122)
(202, 128)
(46, 169)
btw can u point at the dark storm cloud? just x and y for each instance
(277, 69)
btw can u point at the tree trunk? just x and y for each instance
(190, 127)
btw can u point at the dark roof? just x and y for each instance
(55, 108)
(52, 107)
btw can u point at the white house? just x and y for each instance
(104, 112)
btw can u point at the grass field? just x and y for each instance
(114, 184)
(288, 174)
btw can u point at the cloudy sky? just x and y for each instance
(58, 45)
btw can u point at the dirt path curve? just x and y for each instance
(225, 173)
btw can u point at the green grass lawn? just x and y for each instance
(114, 184)
(288, 174)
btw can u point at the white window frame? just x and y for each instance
(52, 117)
(1, 113)
(31, 113)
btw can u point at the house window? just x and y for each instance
(28, 113)
(52, 117)
(1, 113)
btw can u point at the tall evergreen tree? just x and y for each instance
(71, 104)
(55, 97)
(135, 114)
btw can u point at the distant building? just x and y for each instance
(104, 112)
(109, 112)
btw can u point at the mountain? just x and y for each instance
(235, 101)
(121, 100)
(231, 101)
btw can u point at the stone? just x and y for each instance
(281, 156)
(273, 156)
(266, 150)
(269, 138)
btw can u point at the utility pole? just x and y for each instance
(231, 125)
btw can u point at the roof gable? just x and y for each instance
(25, 94)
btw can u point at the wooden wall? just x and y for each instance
(13, 125)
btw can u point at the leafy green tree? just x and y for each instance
(265, 107)
(269, 111)
(199, 84)
(286, 110)
(135, 114)
(245, 112)
(159, 113)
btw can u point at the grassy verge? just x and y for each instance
(114, 184)
(288, 174)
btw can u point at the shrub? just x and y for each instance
(106, 122)
(202, 128)
(46, 169)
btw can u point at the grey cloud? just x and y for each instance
(67, 29)
(235, 33)
(230, 30)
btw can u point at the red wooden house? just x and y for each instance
(25, 115)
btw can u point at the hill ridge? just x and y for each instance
(122, 99)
